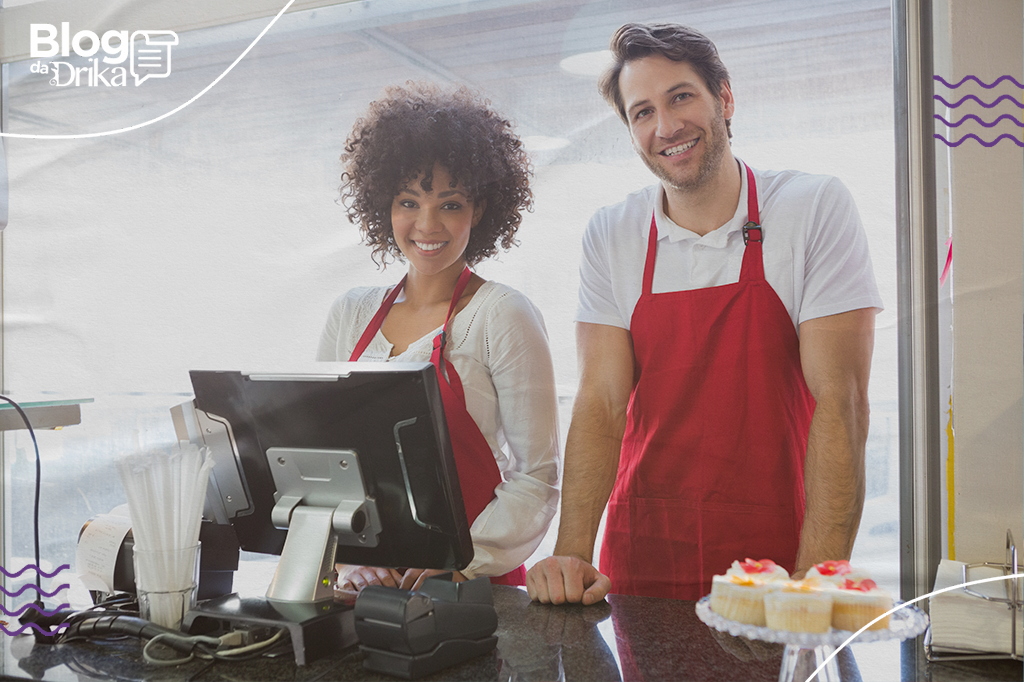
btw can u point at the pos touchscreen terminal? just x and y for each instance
(342, 462)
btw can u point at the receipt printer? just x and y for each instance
(412, 634)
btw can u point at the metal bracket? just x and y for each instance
(319, 478)
(752, 227)
(1014, 601)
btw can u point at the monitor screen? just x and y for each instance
(364, 443)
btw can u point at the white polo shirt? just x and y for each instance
(815, 250)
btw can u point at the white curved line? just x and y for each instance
(945, 589)
(169, 113)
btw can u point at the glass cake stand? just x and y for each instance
(806, 652)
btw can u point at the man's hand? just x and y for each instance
(605, 357)
(566, 579)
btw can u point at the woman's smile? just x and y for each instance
(430, 246)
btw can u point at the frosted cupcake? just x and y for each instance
(799, 606)
(835, 573)
(739, 594)
(855, 603)
(765, 570)
(738, 598)
(830, 571)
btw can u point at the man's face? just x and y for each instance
(676, 124)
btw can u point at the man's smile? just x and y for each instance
(679, 148)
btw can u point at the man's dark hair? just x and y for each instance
(674, 41)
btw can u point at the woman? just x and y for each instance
(437, 179)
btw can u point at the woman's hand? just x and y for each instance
(355, 578)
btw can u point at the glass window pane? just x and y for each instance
(212, 239)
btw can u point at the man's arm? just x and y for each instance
(835, 352)
(605, 359)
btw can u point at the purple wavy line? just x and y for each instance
(987, 106)
(34, 626)
(993, 143)
(33, 607)
(984, 123)
(32, 586)
(979, 81)
(34, 568)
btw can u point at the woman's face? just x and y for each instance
(432, 227)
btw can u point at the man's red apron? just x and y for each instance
(711, 468)
(478, 472)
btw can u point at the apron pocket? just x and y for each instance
(672, 548)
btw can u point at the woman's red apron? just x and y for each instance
(711, 468)
(478, 472)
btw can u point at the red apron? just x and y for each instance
(711, 468)
(478, 472)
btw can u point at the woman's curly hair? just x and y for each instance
(412, 128)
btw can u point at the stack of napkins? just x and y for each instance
(963, 623)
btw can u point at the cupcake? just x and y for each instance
(765, 570)
(739, 594)
(835, 573)
(855, 603)
(738, 598)
(830, 571)
(799, 606)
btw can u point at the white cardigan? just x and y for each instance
(499, 347)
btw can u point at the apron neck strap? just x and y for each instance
(385, 308)
(460, 286)
(752, 232)
(752, 268)
(753, 213)
(437, 356)
(376, 322)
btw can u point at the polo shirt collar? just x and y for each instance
(717, 238)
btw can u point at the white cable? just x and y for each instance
(191, 639)
(162, 661)
(255, 646)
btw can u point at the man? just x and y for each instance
(723, 366)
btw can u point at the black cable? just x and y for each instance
(35, 512)
(202, 671)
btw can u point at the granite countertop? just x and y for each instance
(625, 638)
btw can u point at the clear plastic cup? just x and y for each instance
(167, 581)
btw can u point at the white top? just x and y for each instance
(815, 250)
(499, 347)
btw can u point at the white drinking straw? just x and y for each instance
(166, 489)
